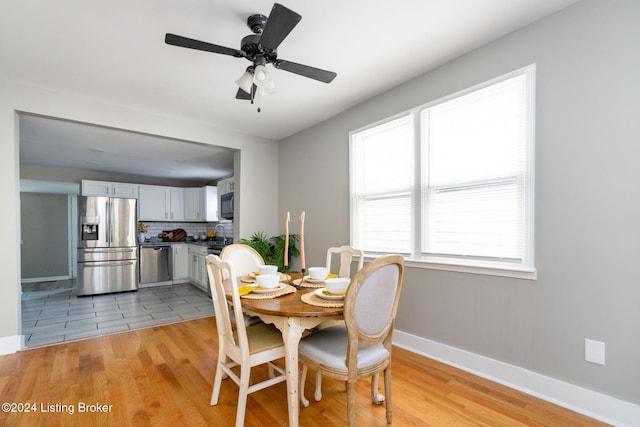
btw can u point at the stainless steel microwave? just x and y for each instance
(226, 206)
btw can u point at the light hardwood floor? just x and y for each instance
(162, 376)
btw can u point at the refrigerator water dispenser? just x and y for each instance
(89, 227)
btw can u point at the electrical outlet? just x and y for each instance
(594, 351)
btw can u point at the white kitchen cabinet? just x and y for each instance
(124, 190)
(180, 262)
(211, 203)
(201, 204)
(154, 203)
(226, 186)
(203, 275)
(176, 212)
(198, 267)
(109, 189)
(194, 204)
(158, 203)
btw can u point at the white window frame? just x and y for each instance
(524, 269)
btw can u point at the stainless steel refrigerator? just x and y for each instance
(107, 245)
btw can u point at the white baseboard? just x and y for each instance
(590, 403)
(10, 344)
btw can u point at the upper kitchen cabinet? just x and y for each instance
(194, 204)
(155, 203)
(201, 204)
(176, 212)
(211, 203)
(226, 186)
(159, 203)
(109, 189)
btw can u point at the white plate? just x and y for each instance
(266, 291)
(321, 293)
(254, 275)
(310, 280)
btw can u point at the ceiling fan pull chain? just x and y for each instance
(259, 94)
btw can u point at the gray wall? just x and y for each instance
(587, 202)
(45, 235)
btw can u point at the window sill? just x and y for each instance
(471, 267)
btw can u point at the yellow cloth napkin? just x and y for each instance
(244, 290)
(331, 276)
(326, 292)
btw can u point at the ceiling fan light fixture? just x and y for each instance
(245, 81)
(268, 89)
(261, 77)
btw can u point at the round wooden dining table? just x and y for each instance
(291, 316)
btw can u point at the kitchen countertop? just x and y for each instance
(208, 244)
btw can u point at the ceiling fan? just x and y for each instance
(260, 48)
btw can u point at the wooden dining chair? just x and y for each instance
(245, 260)
(345, 254)
(240, 346)
(362, 346)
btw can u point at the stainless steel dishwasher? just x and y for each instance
(156, 264)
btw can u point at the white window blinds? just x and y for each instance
(382, 186)
(451, 182)
(473, 200)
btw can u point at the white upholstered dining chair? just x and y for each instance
(240, 346)
(362, 346)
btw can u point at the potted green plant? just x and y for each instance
(272, 248)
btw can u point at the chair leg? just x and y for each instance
(318, 394)
(217, 382)
(351, 403)
(245, 375)
(387, 390)
(376, 397)
(220, 375)
(303, 379)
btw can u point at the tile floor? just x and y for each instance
(54, 316)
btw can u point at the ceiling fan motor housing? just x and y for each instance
(251, 46)
(256, 23)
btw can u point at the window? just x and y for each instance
(382, 160)
(450, 184)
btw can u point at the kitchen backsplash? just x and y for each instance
(192, 229)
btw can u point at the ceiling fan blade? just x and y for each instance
(279, 24)
(305, 70)
(181, 41)
(241, 94)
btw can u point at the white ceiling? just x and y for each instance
(64, 144)
(115, 51)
